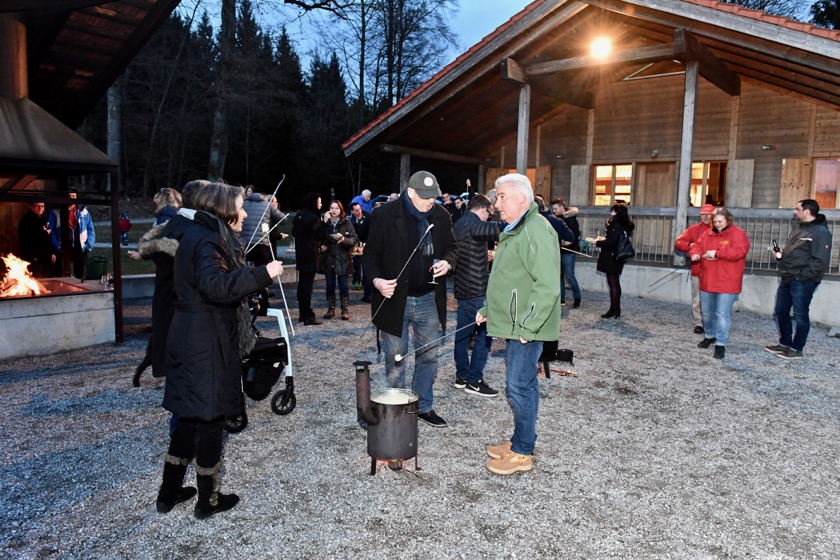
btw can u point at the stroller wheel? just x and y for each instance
(236, 424)
(283, 402)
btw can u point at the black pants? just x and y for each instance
(614, 282)
(260, 255)
(80, 261)
(199, 439)
(304, 293)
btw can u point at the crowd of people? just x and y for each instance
(506, 254)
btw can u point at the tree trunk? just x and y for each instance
(218, 141)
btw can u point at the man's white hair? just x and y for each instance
(366, 193)
(519, 181)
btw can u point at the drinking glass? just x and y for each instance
(432, 270)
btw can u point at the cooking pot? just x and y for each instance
(390, 416)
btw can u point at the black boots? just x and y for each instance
(309, 318)
(720, 352)
(706, 342)
(345, 307)
(171, 491)
(330, 308)
(613, 313)
(577, 303)
(210, 500)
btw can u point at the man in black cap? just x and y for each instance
(410, 245)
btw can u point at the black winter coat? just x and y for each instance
(607, 263)
(386, 252)
(160, 245)
(338, 254)
(211, 329)
(309, 232)
(472, 235)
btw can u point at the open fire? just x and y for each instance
(17, 281)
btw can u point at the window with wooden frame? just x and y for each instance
(613, 184)
(816, 178)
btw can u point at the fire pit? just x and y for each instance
(53, 315)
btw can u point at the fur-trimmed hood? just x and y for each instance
(152, 243)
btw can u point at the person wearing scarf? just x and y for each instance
(410, 243)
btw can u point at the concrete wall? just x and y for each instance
(758, 294)
(46, 325)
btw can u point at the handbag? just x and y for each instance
(624, 249)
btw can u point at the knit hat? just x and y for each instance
(707, 209)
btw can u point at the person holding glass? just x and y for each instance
(336, 257)
(722, 254)
(618, 224)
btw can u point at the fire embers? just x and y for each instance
(17, 281)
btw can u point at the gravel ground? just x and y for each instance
(653, 450)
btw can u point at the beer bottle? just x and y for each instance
(776, 251)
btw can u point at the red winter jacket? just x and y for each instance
(688, 238)
(725, 273)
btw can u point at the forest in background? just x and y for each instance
(236, 102)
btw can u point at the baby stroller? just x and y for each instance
(261, 371)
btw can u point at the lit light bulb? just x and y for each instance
(601, 47)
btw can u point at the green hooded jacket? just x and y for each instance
(523, 293)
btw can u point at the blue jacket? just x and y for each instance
(83, 221)
(366, 206)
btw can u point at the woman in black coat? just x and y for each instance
(210, 333)
(616, 225)
(336, 259)
(308, 230)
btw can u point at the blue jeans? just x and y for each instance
(523, 393)
(567, 272)
(421, 312)
(342, 284)
(717, 309)
(796, 294)
(466, 367)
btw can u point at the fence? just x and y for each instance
(654, 242)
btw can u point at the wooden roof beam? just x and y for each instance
(642, 54)
(579, 97)
(711, 67)
(430, 154)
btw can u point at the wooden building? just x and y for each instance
(693, 101)
(57, 60)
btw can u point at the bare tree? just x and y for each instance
(826, 13)
(218, 141)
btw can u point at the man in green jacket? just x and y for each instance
(523, 307)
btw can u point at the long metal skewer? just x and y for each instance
(666, 276)
(283, 293)
(267, 206)
(401, 357)
(577, 253)
(398, 276)
(250, 248)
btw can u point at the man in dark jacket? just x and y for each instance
(410, 243)
(262, 216)
(472, 233)
(308, 230)
(361, 223)
(567, 257)
(36, 247)
(806, 255)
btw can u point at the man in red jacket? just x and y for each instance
(684, 242)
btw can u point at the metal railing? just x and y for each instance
(654, 243)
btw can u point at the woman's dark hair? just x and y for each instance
(341, 213)
(220, 200)
(309, 201)
(623, 218)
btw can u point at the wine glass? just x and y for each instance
(432, 270)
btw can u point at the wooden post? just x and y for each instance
(481, 186)
(13, 77)
(522, 132)
(115, 254)
(686, 154)
(405, 171)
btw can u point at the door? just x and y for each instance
(796, 182)
(542, 183)
(655, 184)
